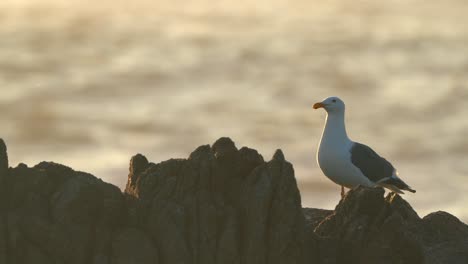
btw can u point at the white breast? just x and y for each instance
(335, 162)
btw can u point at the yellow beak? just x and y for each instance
(318, 105)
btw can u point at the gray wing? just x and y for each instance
(374, 167)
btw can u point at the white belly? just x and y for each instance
(337, 166)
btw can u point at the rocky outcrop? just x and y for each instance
(220, 205)
(3, 216)
(367, 227)
(57, 215)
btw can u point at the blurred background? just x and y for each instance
(91, 83)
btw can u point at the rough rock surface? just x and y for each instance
(367, 227)
(3, 216)
(221, 205)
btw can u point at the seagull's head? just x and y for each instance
(331, 105)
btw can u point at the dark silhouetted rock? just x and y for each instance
(315, 216)
(222, 205)
(133, 246)
(367, 227)
(3, 159)
(445, 239)
(57, 215)
(138, 164)
(3, 216)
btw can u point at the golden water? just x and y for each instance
(90, 83)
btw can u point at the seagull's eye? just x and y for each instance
(334, 100)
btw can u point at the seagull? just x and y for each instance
(349, 163)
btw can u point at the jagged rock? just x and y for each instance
(445, 239)
(222, 205)
(57, 215)
(367, 227)
(3, 222)
(138, 164)
(273, 219)
(3, 159)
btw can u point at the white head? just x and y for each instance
(331, 104)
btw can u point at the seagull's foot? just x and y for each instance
(342, 192)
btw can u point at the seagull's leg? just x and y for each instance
(342, 192)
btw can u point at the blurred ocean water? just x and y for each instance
(90, 84)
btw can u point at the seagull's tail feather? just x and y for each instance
(395, 184)
(391, 188)
(409, 189)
